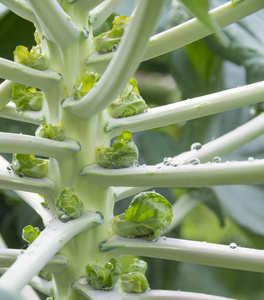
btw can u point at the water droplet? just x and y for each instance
(158, 168)
(251, 158)
(252, 111)
(61, 239)
(144, 165)
(185, 162)
(83, 280)
(20, 174)
(174, 164)
(203, 243)
(194, 161)
(167, 161)
(135, 164)
(65, 218)
(196, 146)
(233, 245)
(217, 159)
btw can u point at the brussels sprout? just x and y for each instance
(68, 205)
(123, 154)
(138, 266)
(107, 41)
(30, 233)
(26, 97)
(104, 278)
(147, 216)
(128, 103)
(56, 132)
(29, 165)
(33, 59)
(134, 282)
(84, 83)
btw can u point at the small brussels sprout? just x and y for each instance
(139, 265)
(84, 83)
(123, 154)
(30, 233)
(34, 59)
(36, 37)
(104, 278)
(26, 98)
(48, 131)
(68, 205)
(45, 275)
(29, 165)
(107, 41)
(147, 216)
(134, 282)
(128, 103)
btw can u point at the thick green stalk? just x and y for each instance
(5, 92)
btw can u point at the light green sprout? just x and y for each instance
(148, 215)
(26, 98)
(34, 59)
(48, 131)
(138, 265)
(128, 103)
(123, 154)
(30, 233)
(84, 83)
(134, 282)
(29, 165)
(104, 278)
(108, 41)
(68, 205)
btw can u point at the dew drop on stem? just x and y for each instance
(194, 161)
(217, 159)
(233, 245)
(196, 146)
(65, 218)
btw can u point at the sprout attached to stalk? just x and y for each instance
(123, 154)
(148, 215)
(129, 102)
(48, 131)
(134, 282)
(84, 83)
(30, 233)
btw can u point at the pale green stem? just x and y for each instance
(28, 76)
(171, 295)
(121, 192)
(56, 24)
(28, 144)
(191, 30)
(28, 293)
(5, 92)
(204, 253)
(229, 173)
(21, 9)
(46, 245)
(99, 14)
(122, 66)
(89, 293)
(189, 109)
(41, 285)
(88, 5)
(9, 112)
(55, 265)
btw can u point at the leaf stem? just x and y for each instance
(56, 24)
(122, 66)
(189, 109)
(27, 76)
(242, 172)
(190, 251)
(5, 92)
(122, 192)
(46, 245)
(41, 285)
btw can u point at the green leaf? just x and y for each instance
(134, 282)
(30, 233)
(48, 131)
(148, 215)
(138, 265)
(84, 83)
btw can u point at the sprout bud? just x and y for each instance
(128, 103)
(28, 165)
(123, 154)
(30, 233)
(134, 282)
(84, 83)
(139, 265)
(108, 41)
(56, 132)
(68, 204)
(26, 98)
(148, 215)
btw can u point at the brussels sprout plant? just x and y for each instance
(77, 87)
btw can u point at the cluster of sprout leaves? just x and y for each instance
(48, 131)
(26, 97)
(84, 83)
(68, 205)
(29, 165)
(30, 233)
(129, 102)
(134, 280)
(123, 154)
(108, 41)
(104, 278)
(148, 215)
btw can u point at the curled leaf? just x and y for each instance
(84, 83)
(30, 233)
(108, 41)
(138, 265)
(128, 103)
(68, 205)
(148, 215)
(134, 282)
(48, 131)
(29, 165)
(123, 154)
(26, 98)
